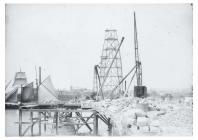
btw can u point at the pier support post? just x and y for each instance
(95, 123)
(109, 127)
(39, 117)
(45, 121)
(31, 119)
(20, 121)
(56, 123)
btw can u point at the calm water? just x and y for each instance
(11, 122)
(12, 127)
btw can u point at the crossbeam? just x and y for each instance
(83, 120)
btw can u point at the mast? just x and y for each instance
(39, 75)
(36, 78)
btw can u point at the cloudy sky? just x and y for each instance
(66, 41)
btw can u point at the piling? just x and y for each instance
(31, 119)
(39, 117)
(56, 123)
(45, 121)
(95, 123)
(109, 127)
(20, 121)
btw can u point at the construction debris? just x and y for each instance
(133, 116)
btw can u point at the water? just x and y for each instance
(11, 128)
(11, 122)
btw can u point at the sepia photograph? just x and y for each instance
(98, 70)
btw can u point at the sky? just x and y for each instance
(66, 41)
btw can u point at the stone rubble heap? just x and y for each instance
(133, 116)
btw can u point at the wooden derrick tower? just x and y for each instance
(108, 77)
(109, 70)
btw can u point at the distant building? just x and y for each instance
(74, 94)
(64, 95)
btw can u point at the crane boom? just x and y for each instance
(137, 58)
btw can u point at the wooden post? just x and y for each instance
(56, 123)
(20, 121)
(95, 123)
(39, 117)
(45, 121)
(31, 119)
(109, 127)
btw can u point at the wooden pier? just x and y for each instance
(41, 115)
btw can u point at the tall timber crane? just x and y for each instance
(139, 90)
(137, 57)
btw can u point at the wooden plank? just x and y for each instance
(106, 118)
(60, 110)
(68, 123)
(30, 122)
(103, 119)
(22, 122)
(26, 130)
(50, 106)
(82, 117)
(89, 117)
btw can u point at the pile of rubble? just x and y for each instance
(133, 116)
(178, 122)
